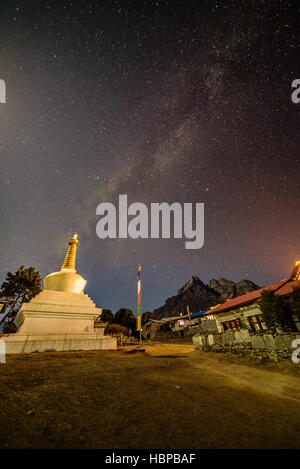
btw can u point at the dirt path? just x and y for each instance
(262, 379)
(169, 397)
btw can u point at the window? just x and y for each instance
(235, 324)
(251, 323)
(263, 325)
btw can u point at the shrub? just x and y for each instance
(117, 329)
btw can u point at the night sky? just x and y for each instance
(164, 101)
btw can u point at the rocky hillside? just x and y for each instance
(199, 296)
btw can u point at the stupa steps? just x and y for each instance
(59, 308)
(57, 297)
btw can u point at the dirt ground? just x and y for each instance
(169, 397)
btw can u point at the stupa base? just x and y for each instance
(57, 312)
(43, 342)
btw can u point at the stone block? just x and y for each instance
(257, 341)
(245, 335)
(210, 340)
(238, 336)
(203, 341)
(196, 342)
(284, 341)
(229, 336)
(209, 325)
(269, 341)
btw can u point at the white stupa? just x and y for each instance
(61, 317)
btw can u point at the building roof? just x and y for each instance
(284, 287)
(288, 287)
(201, 313)
(167, 320)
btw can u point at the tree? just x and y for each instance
(146, 316)
(125, 317)
(267, 308)
(117, 329)
(276, 311)
(18, 288)
(107, 316)
(9, 328)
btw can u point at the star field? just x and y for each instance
(165, 101)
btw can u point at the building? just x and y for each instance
(165, 327)
(244, 312)
(177, 326)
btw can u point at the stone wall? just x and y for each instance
(206, 326)
(263, 346)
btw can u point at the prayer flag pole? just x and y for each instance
(139, 318)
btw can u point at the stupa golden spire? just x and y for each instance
(70, 259)
(67, 279)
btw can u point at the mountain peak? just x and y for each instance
(193, 282)
(198, 296)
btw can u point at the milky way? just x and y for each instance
(163, 101)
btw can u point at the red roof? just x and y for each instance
(288, 287)
(284, 287)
